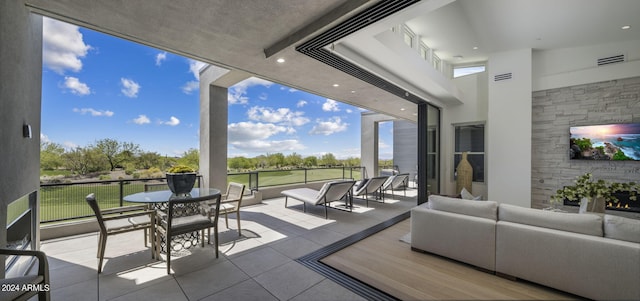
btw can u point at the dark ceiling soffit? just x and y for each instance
(315, 47)
(316, 25)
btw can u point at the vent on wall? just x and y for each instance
(611, 60)
(503, 76)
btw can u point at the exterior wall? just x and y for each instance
(405, 147)
(555, 110)
(369, 141)
(20, 98)
(509, 129)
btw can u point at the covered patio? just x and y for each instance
(259, 265)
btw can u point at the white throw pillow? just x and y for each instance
(622, 228)
(468, 196)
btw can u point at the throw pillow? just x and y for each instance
(468, 196)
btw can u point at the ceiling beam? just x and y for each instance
(328, 18)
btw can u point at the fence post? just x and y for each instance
(305, 175)
(121, 191)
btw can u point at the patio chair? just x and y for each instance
(231, 202)
(186, 215)
(39, 280)
(368, 186)
(396, 182)
(330, 192)
(121, 220)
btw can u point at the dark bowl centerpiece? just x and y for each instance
(181, 178)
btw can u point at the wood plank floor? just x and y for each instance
(384, 262)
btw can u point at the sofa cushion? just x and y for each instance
(486, 209)
(590, 224)
(622, 228)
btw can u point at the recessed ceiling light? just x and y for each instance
(336, 85)
(402, 109)
(475, 47)
(353, 91)
(457, 57)
(626, 27)
(280, 60)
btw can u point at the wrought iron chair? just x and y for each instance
(121, 220)
(186, 215)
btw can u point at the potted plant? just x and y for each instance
(181, 178)
(594, 195)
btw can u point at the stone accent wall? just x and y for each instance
(554, 111)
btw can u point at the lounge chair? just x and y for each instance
(397, 182)
(330, 192)
(368, 186)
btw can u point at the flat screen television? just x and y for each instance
(605, 142)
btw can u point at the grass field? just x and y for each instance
(68, 201)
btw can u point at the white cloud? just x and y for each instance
(76, 86)
(68, 145)
(142, 119)
(161, 57)
(349, 111)
(173, 121)
(44, 138)
(280, 115)
(93, 112)
(301, 103)
(263, 146)
(62, 46)
(238, 93)
(129, 87)
(195, 66)
(190, 86)
(245, 131)
(330, 106)
(382, 144)
(331, 126)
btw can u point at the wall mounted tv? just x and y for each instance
(605, 142)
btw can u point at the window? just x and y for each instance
(408, 36)
(436, 61)
(470, 138)
(424, 51)
(466, 70)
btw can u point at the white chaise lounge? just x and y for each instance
(330, 192)
(396, 182)
(368, 186)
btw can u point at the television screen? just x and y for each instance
(605, 142)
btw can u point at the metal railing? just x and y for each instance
(66, 201)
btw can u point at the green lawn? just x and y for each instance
(68, 201)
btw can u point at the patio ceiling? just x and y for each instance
(250, 35)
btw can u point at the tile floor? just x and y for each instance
(259, 265)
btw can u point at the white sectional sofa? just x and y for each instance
(593, 256)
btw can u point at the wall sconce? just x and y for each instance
(26, 131)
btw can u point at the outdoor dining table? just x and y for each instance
(159, 201)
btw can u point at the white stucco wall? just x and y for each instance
(509, 129)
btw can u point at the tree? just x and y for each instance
(116, 152)
(310, 161)
(328, 159)
(239, 163)
(146, 160)
(51, 155)
(293, 159)
(85, 160)
(351, 161)
(275, 160)
(190, 158)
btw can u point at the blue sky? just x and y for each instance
(96, 86)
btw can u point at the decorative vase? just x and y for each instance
(592, 205)
(464, 173)
(181, 183)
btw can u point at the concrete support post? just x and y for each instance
(213, 129)
(369, 141)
